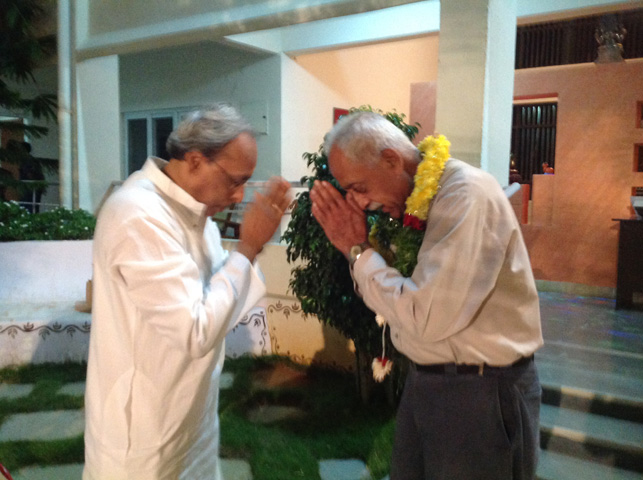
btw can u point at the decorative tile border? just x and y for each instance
(304, 338)
(279, 327)
(250, 336)
(294, 308)
(44, 330)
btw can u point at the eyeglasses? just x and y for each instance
(233, 183)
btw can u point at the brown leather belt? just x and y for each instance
(453, 369)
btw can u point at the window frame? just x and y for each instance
(176, 114)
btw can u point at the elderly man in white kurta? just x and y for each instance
(165, 296)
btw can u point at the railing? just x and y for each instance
(229, 219)
(35, 203)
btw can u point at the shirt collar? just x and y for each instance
(152, 169)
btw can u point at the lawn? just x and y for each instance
(332, 423)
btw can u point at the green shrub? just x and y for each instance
(17, 223)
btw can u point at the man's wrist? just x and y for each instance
(357, 250)
(248, 251)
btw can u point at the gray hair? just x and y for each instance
(207, 131)
(362, 136)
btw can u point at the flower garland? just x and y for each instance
(399, 242)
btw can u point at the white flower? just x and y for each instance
(381, 368)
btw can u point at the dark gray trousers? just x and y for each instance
(468, 427)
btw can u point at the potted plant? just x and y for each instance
(322, 281)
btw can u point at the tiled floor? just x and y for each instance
(591, 322)
(590, 345)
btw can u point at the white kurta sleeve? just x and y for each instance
(165, 284)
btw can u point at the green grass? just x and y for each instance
(336, 424)
(47, 380)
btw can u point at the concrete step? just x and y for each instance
(581, 400)
(591, 437)
(601, 374)
(557, 466)
(591, 370)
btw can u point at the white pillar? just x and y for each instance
(66, 113)
(475, 81)
(99, 133)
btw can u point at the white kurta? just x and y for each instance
(472, 297)
(165, 296)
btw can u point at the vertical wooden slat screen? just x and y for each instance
(573, 41)
(533, 139)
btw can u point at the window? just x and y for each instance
(533, 138)
(146, 134)
(136, 143)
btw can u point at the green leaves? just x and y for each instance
(22, 50)
(16, 223)
(405, 241)
(395, 118)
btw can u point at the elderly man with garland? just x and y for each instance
(467, 315)
(165, 295)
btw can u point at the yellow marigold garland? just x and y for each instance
(399, 242)
(426, 181)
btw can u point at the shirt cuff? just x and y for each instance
(367, 262)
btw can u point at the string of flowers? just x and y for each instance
(399, 242)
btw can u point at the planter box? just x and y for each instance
(40, 283)
(44, 271)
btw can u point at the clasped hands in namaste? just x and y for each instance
(342, 220)
(262, 217)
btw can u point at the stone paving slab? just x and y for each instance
(57, 472)
(235, 469)
(266, 414)
(350, 469)
(226, 380)
(52, 425)
(15, 390)
(77, 389)
(232, 469)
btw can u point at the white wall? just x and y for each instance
(194, 75)
(44, 271)
(307, 110)
(378, 75)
